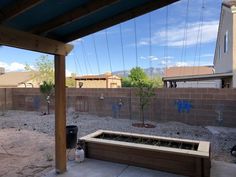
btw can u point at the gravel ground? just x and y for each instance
(25, 153)
(222, 139)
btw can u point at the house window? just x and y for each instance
(226, 41)
(113, 85)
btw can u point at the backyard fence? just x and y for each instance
(187, 105)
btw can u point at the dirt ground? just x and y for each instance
(27, 138)
(25, 153)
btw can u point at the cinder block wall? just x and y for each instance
(5, 99)
(191, 106)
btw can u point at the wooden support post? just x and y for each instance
(60, 114)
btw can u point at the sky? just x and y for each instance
(184, 34)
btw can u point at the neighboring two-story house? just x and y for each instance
(224, 74)
(225, 53)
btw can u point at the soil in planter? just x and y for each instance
(149, 141)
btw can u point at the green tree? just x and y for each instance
(157, 81)
(43, 70)
(139, 79)
(136, 75)
(47, 90)
(126, 82)
(145, 92)
(70, 81)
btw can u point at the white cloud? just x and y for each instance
(143, 42)
(144, 58)
(176, 35)
(150, 57)
(165, 62)
(14, 66)
(182, 64)
(168, 57)
(186, 63)
(170, 63)
(207, 55)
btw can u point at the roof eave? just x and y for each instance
(198, 77)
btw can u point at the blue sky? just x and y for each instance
(191, 43)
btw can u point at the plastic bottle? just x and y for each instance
(79, 154)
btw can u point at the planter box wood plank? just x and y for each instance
(194, 163)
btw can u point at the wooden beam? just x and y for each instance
(121, 17)
(17, 8)
(23, 40)
(72, 16)
(60, 114)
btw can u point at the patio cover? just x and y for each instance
(67, 20)
(46, 25)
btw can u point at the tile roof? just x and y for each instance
(102, 76)
(188, 71)
(13, 79)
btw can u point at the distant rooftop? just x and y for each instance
(188, 70)
(95, 77)
(13, 79)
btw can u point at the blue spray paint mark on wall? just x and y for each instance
(183, 106)
(116, 108)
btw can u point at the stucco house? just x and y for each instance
(98, 81)
(225, 53)
(173, 72)
(224, 74)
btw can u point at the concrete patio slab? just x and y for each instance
(132, 171)
(97, 168)
(223, 169)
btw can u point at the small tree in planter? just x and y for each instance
(139, 79)
(145, 92)
(47, 89)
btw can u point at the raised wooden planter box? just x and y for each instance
(180, 156)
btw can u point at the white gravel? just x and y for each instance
(222, 139)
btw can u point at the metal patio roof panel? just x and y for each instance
(93, 15)
(112, 15)
(112, 10)
(4, 3)
(43, 12)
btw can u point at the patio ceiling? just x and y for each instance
(67, 20)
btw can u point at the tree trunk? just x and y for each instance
(142, 114)
(48, 108)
